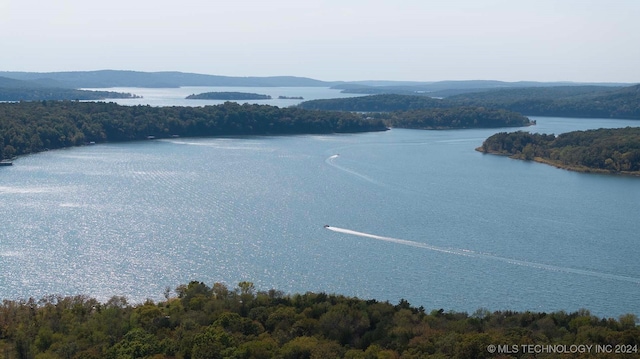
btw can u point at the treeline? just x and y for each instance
(29, 127)
(457, 117)
(228, 96)
(603, 150)
(562, 101)
(242, 322)
(374, 103)
(50, 93)
(535, 93)
(421, 112)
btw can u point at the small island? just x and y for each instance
(614, 151)
(232, 96)
(290, 98)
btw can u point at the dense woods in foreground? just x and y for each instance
(221, 322)
(603, 150)
(29, 127)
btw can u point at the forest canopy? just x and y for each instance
(602, 150)
(562, 101)
(374, 103)
(48, 93)
(201, 321)
(457, 117)
(29, 127)
(421, 112)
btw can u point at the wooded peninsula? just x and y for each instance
(47, 94)
(570, 101)
(29, 127)
(561, 101)
(197, 321)
(602, 150)
(454, 118)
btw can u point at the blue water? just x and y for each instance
(413, 214)
(176, 96)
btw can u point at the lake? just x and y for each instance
(176, 96)
(412, 214)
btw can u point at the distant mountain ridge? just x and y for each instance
(6, 82)
(449, 88)
(47, 89)
(125, 78)
(168, 79)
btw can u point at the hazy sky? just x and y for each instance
(421, 40)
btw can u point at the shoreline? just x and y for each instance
(573, 168)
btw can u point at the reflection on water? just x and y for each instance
(132, 218)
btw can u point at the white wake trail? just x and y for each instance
(474, 254)
(331, 162)
(393, 240)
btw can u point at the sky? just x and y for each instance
(331, 40)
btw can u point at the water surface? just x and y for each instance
(422, 216)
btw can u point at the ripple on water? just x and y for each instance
(131, 219)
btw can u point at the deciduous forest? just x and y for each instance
(29, 127)
(220, 322)
(563, 101)
(603, 150)
(453, 118)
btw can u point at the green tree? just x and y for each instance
(299, 348)
(194, 294)
(136, 344)
(213, 343)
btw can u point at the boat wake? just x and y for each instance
(331, 162)
(474, 254)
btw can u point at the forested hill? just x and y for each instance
(35, 126)
(603, 150)
(421, 112)
(6, 82)
(454, 118)
(18, 90)
(586, 101)
(535, 93)
(56, 94)
(200, 322)
(374, 103)
(562, 101)
(448, 88)
(117, 78)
